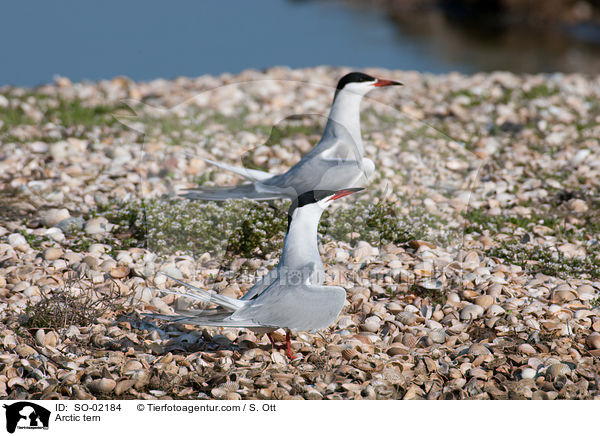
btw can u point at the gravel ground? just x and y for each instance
(471, 262)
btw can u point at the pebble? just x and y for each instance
(52, 253)
(97, 225)
(528, 373)
(577, 205)
(16, 239)
(71, 225)
(52, 217)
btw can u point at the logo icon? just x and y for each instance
(26, 415)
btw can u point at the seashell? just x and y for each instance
(367, 365)
(584, 313)
(9, 341)
(438, 336)
(453, 298)
(407, 318)
(349, 353)
(140, 378)
(563, 296)
(531, 323)
(16, 381)
(346, 322)
(564, 315)
(424, 269)
(478, 373)
(102, 386)
(471, 261)
(431, 284)
(265, 394)
(218, 393)
(528, 373)
(471, 311)
(586, 292)
(416, 244)
(132, 365)
(495, 310)
(278, 359)
(593, 341)
(119, 272)
(491, 322)
(123, 386)
(484, 301)
(313, 394)
(372, 324)
(527, 349)
(8, 359)
(39, 336)
(437, 315)
(457, 327)
(230, 386)
(25, 350)
(478, 350)
(409, 340)
(233, 396)
(397, 350)
(51, 339)
(557, 369)
(52, 253)
(468, 293)
(540, 395)
(394, 308)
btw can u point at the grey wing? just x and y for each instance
(303, 308)
(335, 163)
(270, 279)
(318, 173)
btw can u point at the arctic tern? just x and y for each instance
(336, 162)
(292, 296)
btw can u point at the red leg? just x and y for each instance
(288, 343)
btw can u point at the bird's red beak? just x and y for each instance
(382, 82)
(343, 192)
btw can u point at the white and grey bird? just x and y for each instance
(336, 162)
(292, 296)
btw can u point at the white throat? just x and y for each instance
(345, 112)
(301, 248)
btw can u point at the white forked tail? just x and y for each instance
(205, 296)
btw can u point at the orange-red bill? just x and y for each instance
(382, 82)
(343, 192)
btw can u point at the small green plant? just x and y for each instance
(550, 262)
(479, 221)
(377, 223)
(540, 91)
(246, 228)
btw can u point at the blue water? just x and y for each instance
(148, 39)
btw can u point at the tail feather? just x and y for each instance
(205, 321)
(247, 173)
(222, 193)
(232, 304)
